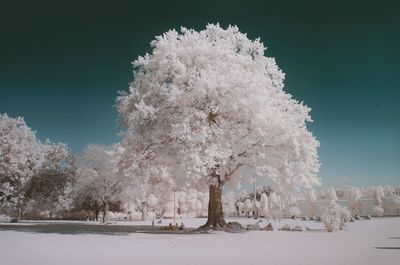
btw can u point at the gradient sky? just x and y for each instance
(61, 66)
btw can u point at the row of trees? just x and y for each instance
(31, 170)
(48, 178)
(268, 203)
(203, 108)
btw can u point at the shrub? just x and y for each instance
(378, 210)
(335, 217)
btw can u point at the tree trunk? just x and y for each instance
(215, 213)
(19, 214)
(162, 213)
(97, 214)
(144, 211)
(105, 213)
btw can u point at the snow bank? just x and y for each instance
(354, 245)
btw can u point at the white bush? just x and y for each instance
(378, 210)
(335, 217)
(4, 218)
(293, 211)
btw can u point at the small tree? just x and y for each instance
(228, 203)
(20, 156)
(97, 179)
(248, 207)
(291, 208)
(240, 207)
(378, 195)
(389, 190)
(334, 216)
(354, 200)
(52, 183)
(311, 198)
(275, 206)
(264, 205)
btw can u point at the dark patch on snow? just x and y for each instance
(79, 228)
(387, 247)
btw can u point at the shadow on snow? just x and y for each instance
(74, 229)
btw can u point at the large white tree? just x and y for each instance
(20, 157)
(204, 104)
(30, 171)
(50, 187)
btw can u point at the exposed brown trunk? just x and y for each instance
(97, 213)
(19, 214)
(215, 214)
(144, 211)
(105, 213)
(162, 213)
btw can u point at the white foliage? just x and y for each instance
(388, 190)
(335, 217)
(311, 197)
(331, 196)
(248, 205)
(203, 104)
(354, 200)
(228, 203)
(264, 209)
(275, 206)
(378, 196)
(96, 176)
(240, 206)
(293, 211)
(20, 156)
(377, 210)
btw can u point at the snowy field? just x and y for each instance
(364, 242)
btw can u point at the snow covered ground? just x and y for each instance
(357, 244)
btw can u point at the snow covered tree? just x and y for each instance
(311, 198)
(240, 207)
(20, 156)
(155, 184)
(354, 200)
(388, 190)
(264, 210)
(275, 206)
(392, 203)
(397, 191)
(53, 180)
(293, 211)
(97, 179)
(335, 216)
(331, 196)
(289, 201)
(378, 196)
(228, 203)
(204, 104)
(32, 173)
(248, 207)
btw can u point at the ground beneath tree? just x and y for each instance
(364, 242)
(75, 228)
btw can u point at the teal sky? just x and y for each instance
(61, 66)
